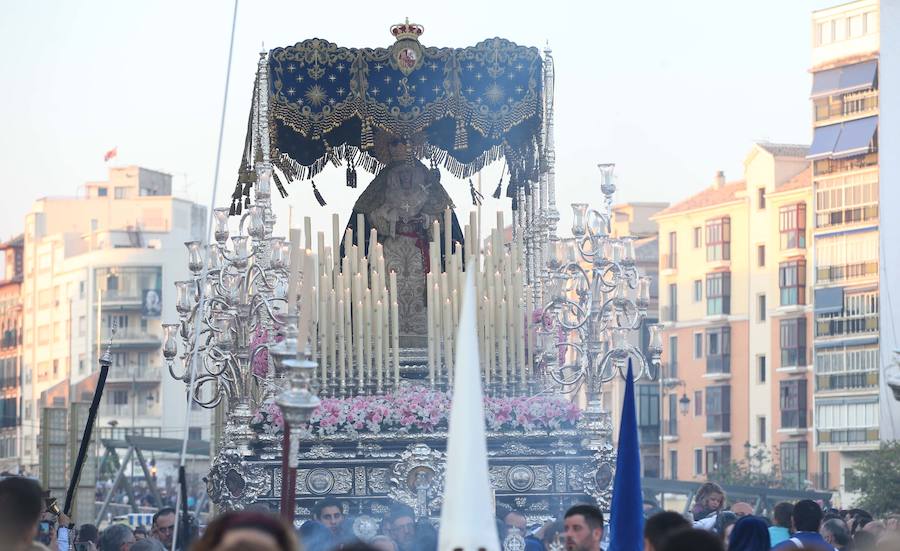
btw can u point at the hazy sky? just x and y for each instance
(670, 91)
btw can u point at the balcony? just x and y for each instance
(121, 300)
(846, 272)
(864, 437)
(847, 326)
(135, 339)
(142, 409)
(135, 373)
(848, 216)
(849, 380)
(833, 166)
(718, 366)
(669, 313)
(668, 263)
(835, 109)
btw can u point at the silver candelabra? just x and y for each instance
(596, 299)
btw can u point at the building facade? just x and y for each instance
(734, 266)
(846, 233)
(107, 259)
(11, 355)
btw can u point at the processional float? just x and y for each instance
(330, 359)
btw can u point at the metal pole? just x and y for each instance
(662, 441)
(116, 480)
(150, 483)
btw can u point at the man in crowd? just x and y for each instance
(401, 526)
(583, 528)
(21, 506)
(781, 523)
(806, 519)
(515, 519)
(330, 513)
(742, 509)
(836, 533)
(89, 535)
(117, 537)
(660, 526)
(163, 527)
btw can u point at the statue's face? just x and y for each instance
(397, 149)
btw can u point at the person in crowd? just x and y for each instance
(117, 537)
(551, 534)
(724, 521)
(876, 527)
(583, 528)
(742, 509)
(709, 501)
(383, 543)
(21, 506)
(692, 540)
(749, 533)
(89, 534)
(858, 518)
(425, 537)
(660, 526)
(863, 541)
(836, 533)
(330, 512)
(890, 541)
(316, 537)
(806, 519)
(163, 526)
(781, 523)
(401, 526)
(246, 530)
(515, 519)
(147, 544)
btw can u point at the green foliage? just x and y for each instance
(876, 477)
(759, 468)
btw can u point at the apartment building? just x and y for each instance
(10, 354)
(846, 233)
(107, 258)
(734, 266)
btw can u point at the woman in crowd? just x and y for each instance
(247, 530)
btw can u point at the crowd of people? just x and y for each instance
(26, 524)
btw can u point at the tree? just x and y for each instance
(757, 469)
(876, 477)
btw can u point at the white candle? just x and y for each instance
(448, 341)
(378, 346)
(360, 236)
(294, 270)
(429, 309)
(436, 316)
(341, 337)
(369, 335)
(307, 231)
(395, 335)
(336, 235)
(448, 231)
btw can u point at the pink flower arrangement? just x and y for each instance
(416, 409)
(260, 366)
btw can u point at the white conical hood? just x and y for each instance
(467, 517)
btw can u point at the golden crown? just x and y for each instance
(407, 30)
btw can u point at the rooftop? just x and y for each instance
(785, 149)
(800, 181)
(709, 197)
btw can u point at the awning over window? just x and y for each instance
(855, 138)
(842, 80)
(824, 140)
(829, 301)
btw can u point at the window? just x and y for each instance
(648, 413)
(82, 325)
(672, 420)
(761, 307)
(698, 403)
(698, 237)
(792, 282)
(847, 368)
(194, 433)
(718, 350)
(761, 197)
(102, 192)
(847, 199)
(794, 466)
(673, 464)
(81, 289)
(761, 428)
(793, 342)
(824, 471)
(761, 255)
(671, 259)
(846, 257)
(698, 461)
(120, 397)
(718, 239)
(698, 290)
(718, 293)
(718, 458)
(698, 346)
(847, 421)
(718, 409)
(55, 368)
(761, 368)
(672, 314)
(121, 192)
(792, 226)
(673, 357)
(793, 404)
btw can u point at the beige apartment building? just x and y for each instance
(734, 267)
(108, 257)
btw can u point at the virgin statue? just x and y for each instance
(402, 202)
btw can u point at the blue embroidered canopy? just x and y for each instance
(460, 107)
